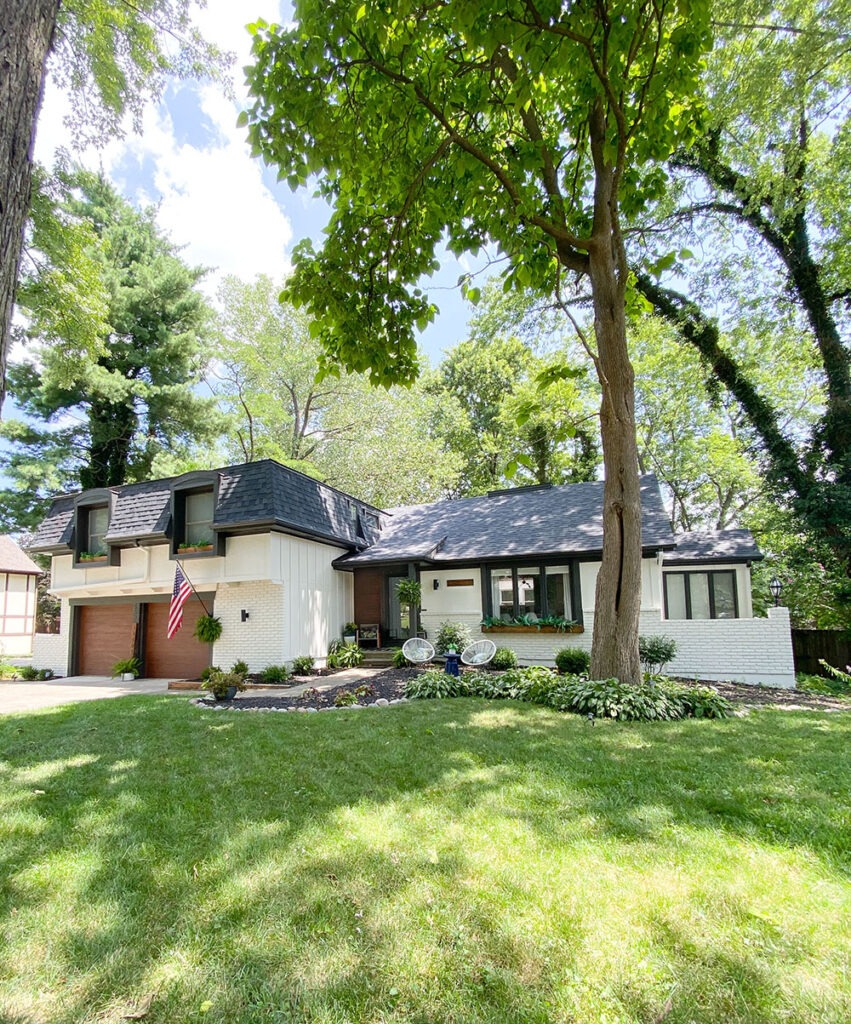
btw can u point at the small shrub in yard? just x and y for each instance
(303, 665)
(700, 701)
(344, 656)
(241, 668)
(274, 674)
(30, 674)
(365, 690)
(610, 698)
(399, 659)
(573, 661)
(452, 635)
(345, 698)
(218, 683)
(656, 651)
(436, 684)
(311, 693)
(208, 671)
(503, 658)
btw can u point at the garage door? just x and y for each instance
(107, 633)
(182, 657)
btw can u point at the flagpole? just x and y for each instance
(191, 584)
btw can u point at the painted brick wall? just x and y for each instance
(740, 650)
(260, 641)
(50, 650)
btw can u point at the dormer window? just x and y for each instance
(199, 519)
(91, 527)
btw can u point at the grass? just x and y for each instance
(433, 863)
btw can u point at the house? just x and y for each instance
(285, 561)
(18, 578)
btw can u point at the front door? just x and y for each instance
(397, 624)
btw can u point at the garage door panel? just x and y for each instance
(107, 633)
(181, 657)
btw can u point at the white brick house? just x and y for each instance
(285, 561)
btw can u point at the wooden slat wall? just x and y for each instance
(809, 645)
(107, 633)
(369, 584)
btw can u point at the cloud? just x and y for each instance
(211, 197)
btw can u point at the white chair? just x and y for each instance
(479, 653)
(417, 650)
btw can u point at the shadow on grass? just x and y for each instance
(423, 863)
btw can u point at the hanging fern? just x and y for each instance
(208, 629)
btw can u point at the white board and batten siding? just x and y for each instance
(17, 614)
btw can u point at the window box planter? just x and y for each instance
(195, 549)
(531, 629)
(93, 559)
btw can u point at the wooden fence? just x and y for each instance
(831, 645)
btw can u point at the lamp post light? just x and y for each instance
(776, 588)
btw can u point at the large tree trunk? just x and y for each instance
(614, 651)
(26, 31)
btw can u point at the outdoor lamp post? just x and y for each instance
(776, 588)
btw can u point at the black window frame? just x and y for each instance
(711, 574)
(195, 483)
(87, 503)
(539, 565)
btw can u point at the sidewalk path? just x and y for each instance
(17, 695)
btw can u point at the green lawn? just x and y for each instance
(438, 862)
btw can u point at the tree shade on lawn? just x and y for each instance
(452, 861)
(476, 122)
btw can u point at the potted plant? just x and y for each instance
(127, 668)
(410, 593)
(93, 556)
(350, 632)
(223, 685)
(187, 548)
(208, 629)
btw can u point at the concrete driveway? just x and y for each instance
(17, 695)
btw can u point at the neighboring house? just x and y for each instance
(18, 578)
(284, 561)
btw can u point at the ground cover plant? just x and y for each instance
(452, 861)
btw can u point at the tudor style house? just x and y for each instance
(285, 561)
(18, 578)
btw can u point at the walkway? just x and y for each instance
(17, 695)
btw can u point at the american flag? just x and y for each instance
(179, 596)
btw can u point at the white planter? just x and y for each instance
(349, 639)
(127, 677)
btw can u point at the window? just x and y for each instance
(96, 527)
(199, 518)
(541, 591)
(701, 595)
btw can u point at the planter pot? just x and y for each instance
(531, 629)
(194, 550)
(100, 560)
(229, 694)
(349, 639)
(128, 677)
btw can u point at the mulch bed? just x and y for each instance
(390, 685)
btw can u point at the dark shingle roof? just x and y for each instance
(12, 559)
(714, 545)
(514, 523)
(257, 493)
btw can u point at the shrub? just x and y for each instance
(656, 651)
(436, 684)
(241, 668)
(218, 683)
(365, 690)
(208, 671)
(303, 665)
(345, 698)
(452, 634)
(8, 671)
(274, 674)
(503, 658)
(311, 693)
(573, 661)
(28, 673)
(839, 682)
(610, 698)
(700, 701)
(342, 655)
(399, 659)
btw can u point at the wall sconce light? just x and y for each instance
(244, 615)
(435, 584)
(776, 588)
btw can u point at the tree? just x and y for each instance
(116, 411)
(380, 445)
(765, 189)
(533, 127)
(108, 56)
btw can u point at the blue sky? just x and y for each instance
(227, 210)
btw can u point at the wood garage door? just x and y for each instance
(182, 657)
(107, 633)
